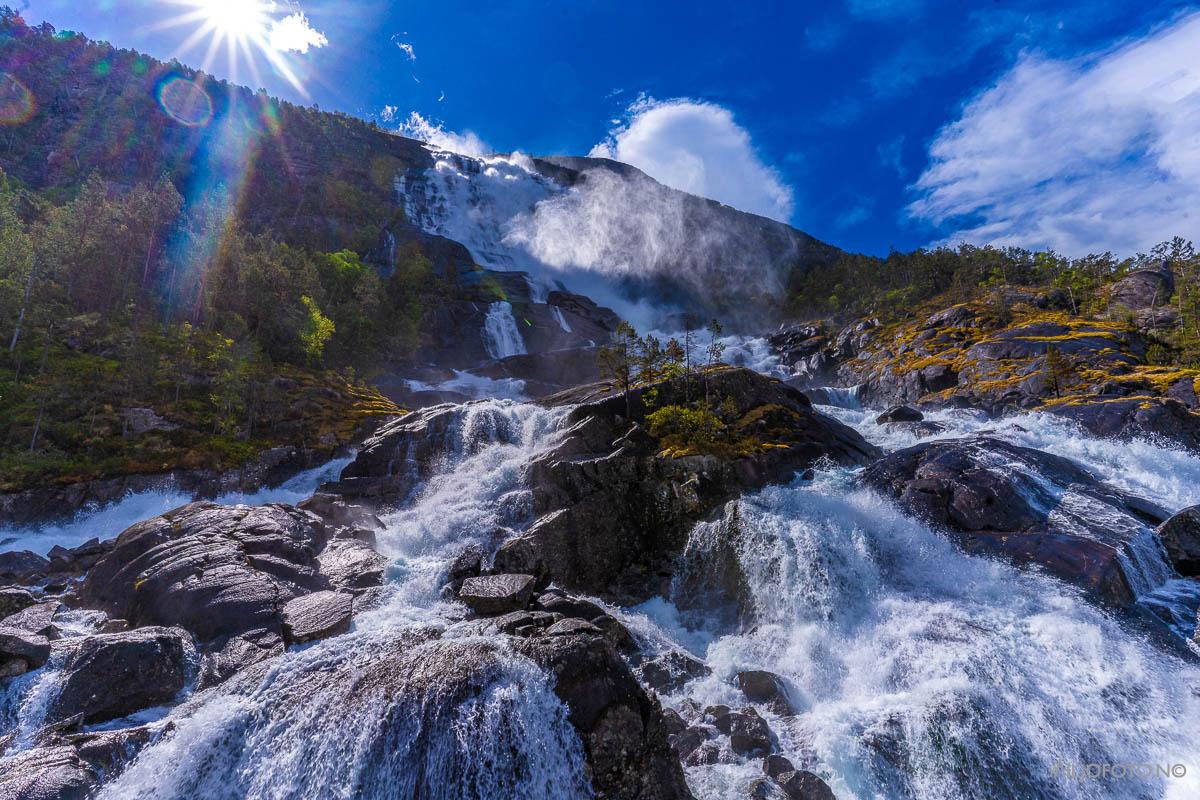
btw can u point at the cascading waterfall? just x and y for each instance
(500, 333)
(922, 672)
(386, 710)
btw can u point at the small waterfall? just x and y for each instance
(500, 334)
(562, 321)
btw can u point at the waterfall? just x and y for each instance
(920, 671)
(500, 334)
(388, 710)
(562, 321)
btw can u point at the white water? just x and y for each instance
(922, 672)
(474, 387)
(918, 671)
(107, 522)
(560, 319)
(383, 711)
(501, 336)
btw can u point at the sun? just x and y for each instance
(244, 32)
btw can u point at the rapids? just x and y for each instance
(918, 671)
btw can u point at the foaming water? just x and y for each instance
(388, 710)
(1165, 474)
(108, 521)
(500, 333)
(922, 672)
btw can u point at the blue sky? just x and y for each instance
(868, 123)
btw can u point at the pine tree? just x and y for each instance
(617, 360)
(1059, 370)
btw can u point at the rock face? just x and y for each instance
(401, 454)
(214, 570)
(1032, 507)
(613, 510)
(13, 600)
(621, 728)
(316, 616)
(900, 414)
(1180, 535)
(1143, 288)
(489, 595)
(112, 675)
(23, 567)
(1128, 417)
(21, 651)
(46, 773)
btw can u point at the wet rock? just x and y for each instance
(803, 785)
(673, 723)
(316, 616)
(490, 595)
(21, 651)
(622, 729)
(214, 570)
(900, 414)
(76, 560)
(767, 688)
(775, 765)
(749, 734)
(616, 634)
(1180, 536)
(108, 752)
(1166, 419)
(351, 565)
(687, 741)
(668, 672)
(706, 754)
(613, 511)
(573, 627)
(997, 498)
(569, 606)
(919, 429)
(243, 650)
(112, 675)
(467, 564)
(400, 455)
(22, 567)
(38, 618)
(46, 773)
(766, 789)
(13, 599)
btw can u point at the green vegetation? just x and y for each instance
(907, 285)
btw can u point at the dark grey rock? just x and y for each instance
(767, 688)
(489, 595)
(775, 765)
(668, 672)
(351, 565)
(900, 414)
(38, 618)
(21, 651)
(46, 773)
(319, 615)
(214, 570)
(14, 599)
(803, 785)
(997, 498)
(749, 734)
(112, 675)
(1180, 536)
(24, 567)
(573, 627)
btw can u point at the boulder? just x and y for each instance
(214, 570)
(54, 772)
(900, 414)
(622, 729)
(767, 688)
(1166, 419)
(113, 675)
(400, 455)
(14, 599)
(21, 651)
(1143, 288)
(668, 672)
(998, 498)
(775, 765)
(1180, 536)
(22, 567)
(490, 595)
(38, 619)
(351, 565)
(573, 627)
(75, 560)
(319, 615)
(614, 509)
(803, 785)
(749, 734)
(224, 659)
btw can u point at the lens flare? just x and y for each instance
(248, 32)
(185, 102)
(17, 105)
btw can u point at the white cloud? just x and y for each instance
(388, 114)
(407, 49)
(466, 143)
(698, 148)
(884, 9)
(1090, 154)
(294, 34)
